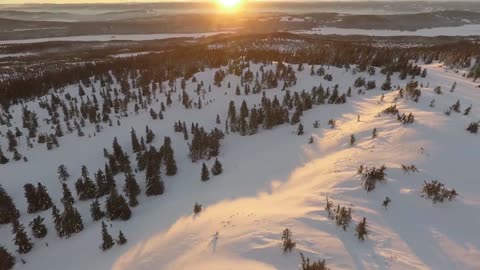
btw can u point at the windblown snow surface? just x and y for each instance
(275, 180)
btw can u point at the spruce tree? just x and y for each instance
(44, 200)
(95, 211)
(243, 110)
(21, 239)
(135, 142)
(7, 261)
(131, 189)
(62, 173)
(39, 230)
(57, 221)
(116, 207)
(101, 183)
(107, 240)
(121, 238)
(67, 195)
(167, 153)
(117, 151)
(71, 221)
(150, 135)
(217, 168)
(31, 196)
(154, 182)
(185, 132)
(205, 174)
(8, 210)
(86, 188)
(109, 178)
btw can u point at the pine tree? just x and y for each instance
(62, 173)
(95, 211)
(7, 261)
(167, 153)
(185, 132)
(217, 168)
(3, 158)
(39, 230)
(362, 229)
(121, 238)
(44, 200)
(135, 142)
(31, 196)
(150, 135)
(243, 110)
(8, 210)
(454, 85)
(153, 178)
(205, 173)
(117, 151)
(232, 113)
(107, 240)
(116, 207)
(109, 178)
(101, 182)
(57, 221)
(16, 155)
(253, 122)
(71, 220)
(21, 239)
(131, 189)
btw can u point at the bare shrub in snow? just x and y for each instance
(371, 176)
(473, 127)
(288, 244)
(437, 191)
(307, 265)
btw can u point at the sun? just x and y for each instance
(229, 5)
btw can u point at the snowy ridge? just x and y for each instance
(275, 180)
(411, 234)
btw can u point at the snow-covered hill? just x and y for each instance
(275, 180)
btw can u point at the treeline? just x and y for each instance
(185, 61)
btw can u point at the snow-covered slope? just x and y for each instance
(275, 180)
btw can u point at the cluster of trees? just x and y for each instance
(205, 145)
(273, 113)
(217, 169)
(107, 239)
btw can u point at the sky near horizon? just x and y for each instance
(145, 1)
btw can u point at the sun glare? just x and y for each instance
(229, 5)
